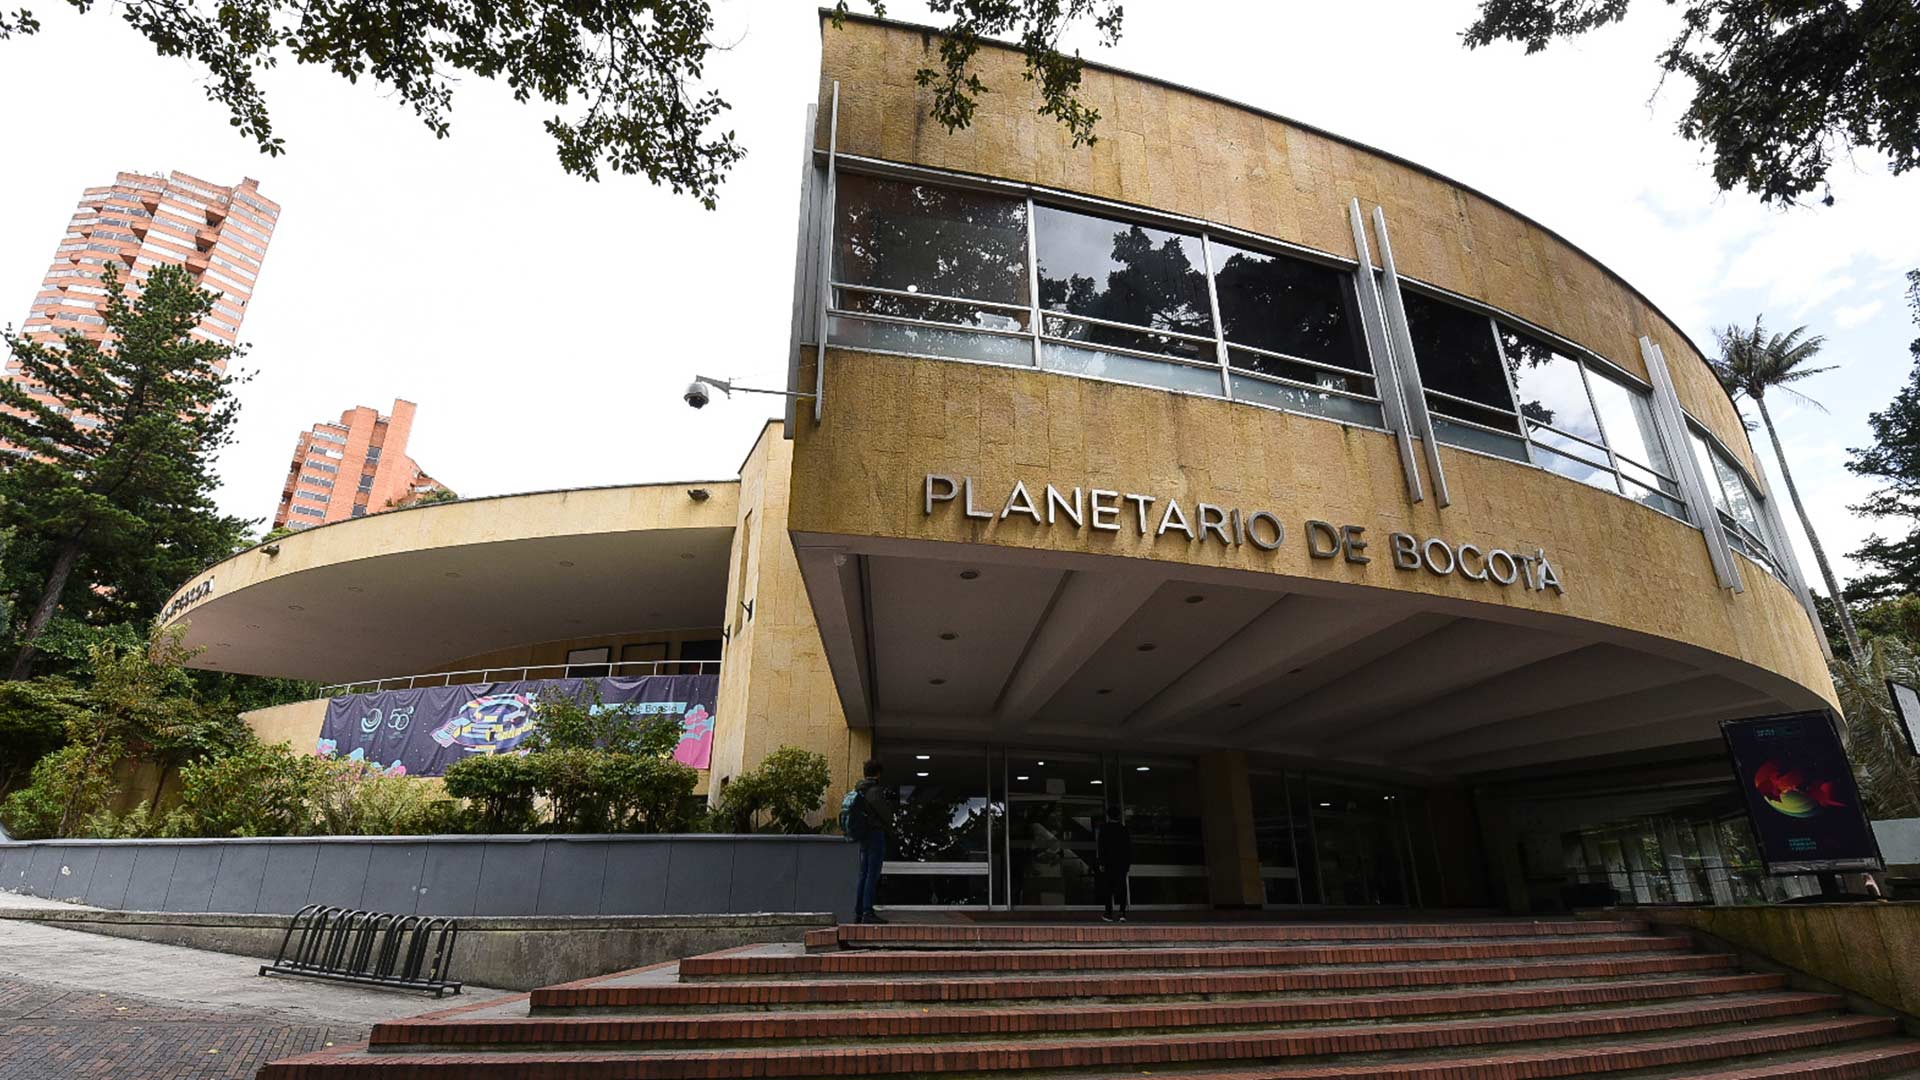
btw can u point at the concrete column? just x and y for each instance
(1226, 818)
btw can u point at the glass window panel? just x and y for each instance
(1585, 472)
(1549, 385)
(1659, 500)
(1487, 442)
(922, 238)
(1133, 369)
(1741, 501)
(1300, 373)
(1456, 351)
(1121, 272)
(929, 341)
(1704, 457)
(1120, 337)
(1648, 478)
(1627, 413)
(1288, 305)
(1302, 399)
(1472, 414)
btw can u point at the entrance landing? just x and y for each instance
(1491, 999)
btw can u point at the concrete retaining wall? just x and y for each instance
(510, 954)
(1869, 950)
(462, 876)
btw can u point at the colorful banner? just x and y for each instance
(1801, 796)
(421, 732)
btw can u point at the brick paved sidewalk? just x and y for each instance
(49, 1032)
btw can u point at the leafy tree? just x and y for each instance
(1894, 460)
(1888, 773)
(111, 495)
(1751, 363)
(622, 79)
(1781, 87)
(582, 721)
(34, 717)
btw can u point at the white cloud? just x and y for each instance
(1847, 318)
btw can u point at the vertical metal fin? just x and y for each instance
(1671, 419)
(1405, 360)
(1386, 374)
(803, 269)
(826, 256)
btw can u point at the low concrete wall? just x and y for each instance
(1872, 950)
(462, 876)
(510, 954)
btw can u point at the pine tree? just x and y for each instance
(108, 488)
(1894, 459)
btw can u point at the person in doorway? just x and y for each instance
(1113, 846)
(866, 816)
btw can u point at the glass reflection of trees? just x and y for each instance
(1127, 274)
(1286, 308)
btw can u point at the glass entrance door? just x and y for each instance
(1053, 803)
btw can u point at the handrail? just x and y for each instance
(613, 668)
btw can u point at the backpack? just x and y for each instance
(856, 821)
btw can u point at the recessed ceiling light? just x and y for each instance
(295, 607)
(1142, 768)
(969, 575)
(566, 562)
(1020, 778)
(948, 636)
(1102, 690)
(936, 682)
(229, 645)
(1146, 646)
(355, 588)
(1039, 763)
(1295, 671)
(922, 774)
(686, 554)
(923, 757)
(253, 626)
(1098, 783)
(1326, 805)
(1196, 599)
(453, 573)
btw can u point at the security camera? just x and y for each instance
(698, 394)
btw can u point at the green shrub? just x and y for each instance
(500, 788)
(136, 824)
(265, 789)
(648, 794)
(583, 722)
(781, 794)
(356, 799)
(65, 788)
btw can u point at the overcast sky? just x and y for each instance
(546, 326)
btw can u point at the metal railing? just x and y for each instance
(612, 668)
(369, 948)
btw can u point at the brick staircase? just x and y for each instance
(1481, 999)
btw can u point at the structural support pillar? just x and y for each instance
(1226, 823)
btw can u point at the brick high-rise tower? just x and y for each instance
(220, 234)
(356, 467)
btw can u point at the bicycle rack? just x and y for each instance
(369, 948)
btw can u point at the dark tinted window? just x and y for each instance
(923, 239)
(1121, 272)
(1457, 356)
(1287, 305)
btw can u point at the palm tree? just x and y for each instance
(1752, 363)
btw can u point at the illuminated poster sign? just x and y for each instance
(1801, 796)
(1154, 517)
(421, 732)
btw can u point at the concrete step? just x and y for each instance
(1150, 935)
(1608, 1042)
(612, 994)
(818, 1026)
(868, 964)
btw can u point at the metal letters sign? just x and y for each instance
(1153, 517)
(1801, 796)
(187, 599)
(1906, 710)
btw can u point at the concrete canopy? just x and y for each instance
(412, 591)
(973, 642)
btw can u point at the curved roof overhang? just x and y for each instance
(410, 591)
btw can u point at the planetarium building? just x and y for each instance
(1365, 540)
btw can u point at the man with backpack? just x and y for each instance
(866, 813)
